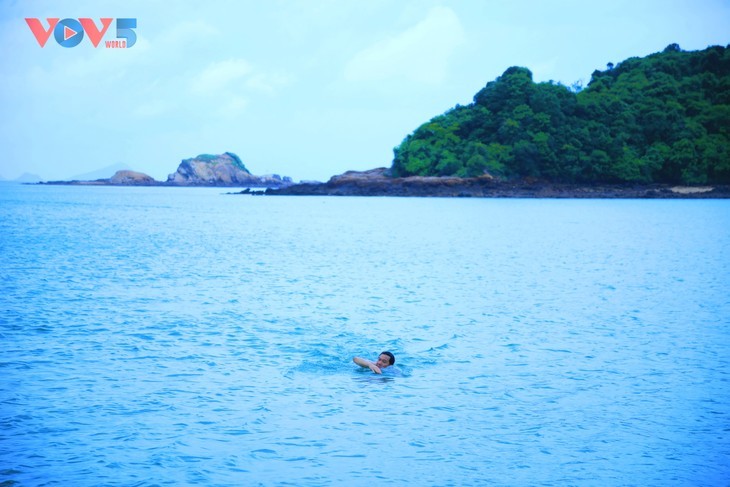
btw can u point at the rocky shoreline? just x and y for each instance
(227, 170)
(377, 182)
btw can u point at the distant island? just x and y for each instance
(653, 127)
(25, 178)
(223, 170)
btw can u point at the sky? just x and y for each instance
(305, 89)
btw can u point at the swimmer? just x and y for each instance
(386, 359)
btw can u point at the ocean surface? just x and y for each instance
(171, 336)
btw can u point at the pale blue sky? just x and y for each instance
(306, 89)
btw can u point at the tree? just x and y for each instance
(662, 118)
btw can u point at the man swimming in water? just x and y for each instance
(385, 359)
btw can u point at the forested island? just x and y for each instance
(655, 121)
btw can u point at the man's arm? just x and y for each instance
(367, 364)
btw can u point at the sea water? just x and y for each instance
(171, 336)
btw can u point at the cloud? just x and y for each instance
(186, 33)
(267, 84)
(151, 109)
(229, 85)
(421, 53)
(219, 75)
(233, 107)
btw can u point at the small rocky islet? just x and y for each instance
(205, 170)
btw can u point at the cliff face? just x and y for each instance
(220, 170)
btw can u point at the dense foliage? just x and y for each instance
(664, 118)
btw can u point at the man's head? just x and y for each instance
(385, 359)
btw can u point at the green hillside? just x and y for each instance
(664, 118)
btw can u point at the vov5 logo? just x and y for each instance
(70, 32)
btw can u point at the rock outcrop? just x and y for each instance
(205, 170)
(220, 170)
(378, 182)
(132, 178)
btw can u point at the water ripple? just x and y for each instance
(208, 340)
